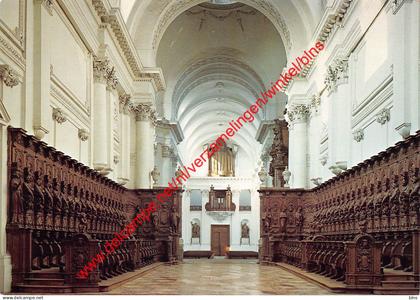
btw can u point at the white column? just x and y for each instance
(5, 259)
(144, 145)
(166, 171)
(186, 219)
(205, 222)
(405, 48)
(314, 140)
(125, 139)
(41, 60)
(235, 225)
(297, 116)
(100, 115)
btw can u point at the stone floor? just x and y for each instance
(219, 276)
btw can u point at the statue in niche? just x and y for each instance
(38, 200)
(195, 230)
(245, 231)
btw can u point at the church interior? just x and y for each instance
(103, 103)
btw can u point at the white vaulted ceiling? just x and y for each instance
(216, 60)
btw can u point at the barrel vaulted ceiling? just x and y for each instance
(217, 57)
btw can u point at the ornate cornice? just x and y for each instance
(8, 76)
(119, 31)
(58, 115)
(331, 21)
(83, 134)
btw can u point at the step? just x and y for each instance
(49, 273)
(396, 291)
(44, 281)
(401, 283)
(42, 289)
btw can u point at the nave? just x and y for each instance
(219, 276)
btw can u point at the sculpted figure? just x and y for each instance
(414, 191)
(16, 190)
(405, 194)
(38, 194)
(48, 197)
(283, 220)
(195, 230)
(395, 197)
(245, 231)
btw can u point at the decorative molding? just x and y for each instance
(125, 103)
(396, 5)
(219, 215)
(358, 135)
(315, 104)
(331, 22)
(316, 181)
(58, 115)
(83, 134)
(166, 150)
(383, 116)
(116, 159)
(8, 76)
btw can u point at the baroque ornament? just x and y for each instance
(124, 100)
(8, 76)
(358, 135)
(298, 113)
(83, 134)
(100, 67)
(383, 116)
(143, 111)
(336, 71)
(58, 115)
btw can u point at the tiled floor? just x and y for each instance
(218, 276)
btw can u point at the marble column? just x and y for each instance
(100, 113)
(166, 172)
(111, 96)
(5, 258)
(205, 222)
(144, 145)
(339, 115)
(43, 11)
(403, 37)
(125, 139)
(297, 116)
(314, 138)
(235, 237)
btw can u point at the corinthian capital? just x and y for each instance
(298, 113)
(336, 73)
(100, 68)
(144, 112)
(8, 76)
(111, 78)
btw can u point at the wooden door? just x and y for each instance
(220, 239)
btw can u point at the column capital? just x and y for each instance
(337, 73)
(144, 112)
(297, 113)
(8, 76)
(100, 67)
